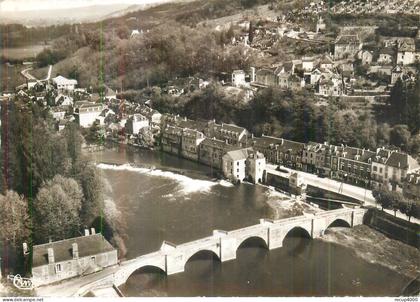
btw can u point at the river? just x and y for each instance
(178, 201)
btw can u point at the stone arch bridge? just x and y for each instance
(172, 258)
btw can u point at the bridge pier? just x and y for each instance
(227, 245)
(172, 258)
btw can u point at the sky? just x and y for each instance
(29, 5)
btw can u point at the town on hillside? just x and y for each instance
(299, 99)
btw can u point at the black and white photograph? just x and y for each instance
(223, 149)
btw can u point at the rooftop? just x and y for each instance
(87, 245)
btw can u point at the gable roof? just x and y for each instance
(60, 80)
(87, 246)
(240, 154)
(402, 161)
(348, 39)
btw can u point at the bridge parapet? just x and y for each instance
(172, 258)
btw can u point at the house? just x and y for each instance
(403, 73)
(59, 260)
(58, 113)
(379, 167)
(314, 76)
(386, 56)
(135, 123)
(256, 165)
(190, 142)
(31, 83)
(244, 164)
(397, 166)
(365, 56)
(172, 139)
(63, 100)
(211, 152)
(265, 77)
(347, 46)
(105, 116)
(330, 86)
(135, 33)
(234, 165)
(154, 117)
(406, 51)
(320, 25)
(238, 78)
(279, 151)
(308, 63)
(411, 186)
(110, 94)
(309, 154)
(87, 114)
(326, 63)
(354, 165)
(62, 83)
(231, 134)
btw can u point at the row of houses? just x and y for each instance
(228, 148)
(383, 167)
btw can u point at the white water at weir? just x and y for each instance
(188, 184)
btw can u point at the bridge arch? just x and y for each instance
(201, 252)
(339, 222)
(127, 273)
(259, 239)
(298, 231)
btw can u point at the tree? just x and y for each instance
(57, 208)
(14, 230)
(383, 197)
(74, 141)
(400, 136)
(91, 184)
(14, 218)
(251, 32)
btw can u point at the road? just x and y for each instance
(364, 195)
(27, 75)
(70, 287)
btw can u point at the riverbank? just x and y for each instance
(375, 247)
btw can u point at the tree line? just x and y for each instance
(49, 190)
(395, 201)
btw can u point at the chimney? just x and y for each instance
(25, 249)
(75, 250)
(92, 231)
(86, 232)
(50, 255)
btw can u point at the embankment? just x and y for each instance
(393, 227)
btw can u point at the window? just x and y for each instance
(93, 259)
(58, 268)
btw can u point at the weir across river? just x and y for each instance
(171, 258)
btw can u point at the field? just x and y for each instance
(19, 53)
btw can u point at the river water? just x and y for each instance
(178, 201)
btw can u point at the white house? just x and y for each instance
(58, 113)
(238, 78)
(255, 166)
(307, 63)
(69, 258)
(234, 165)
(63, 100)
(104, 114)
(88, 113)
(135, 123)
(63, 83)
